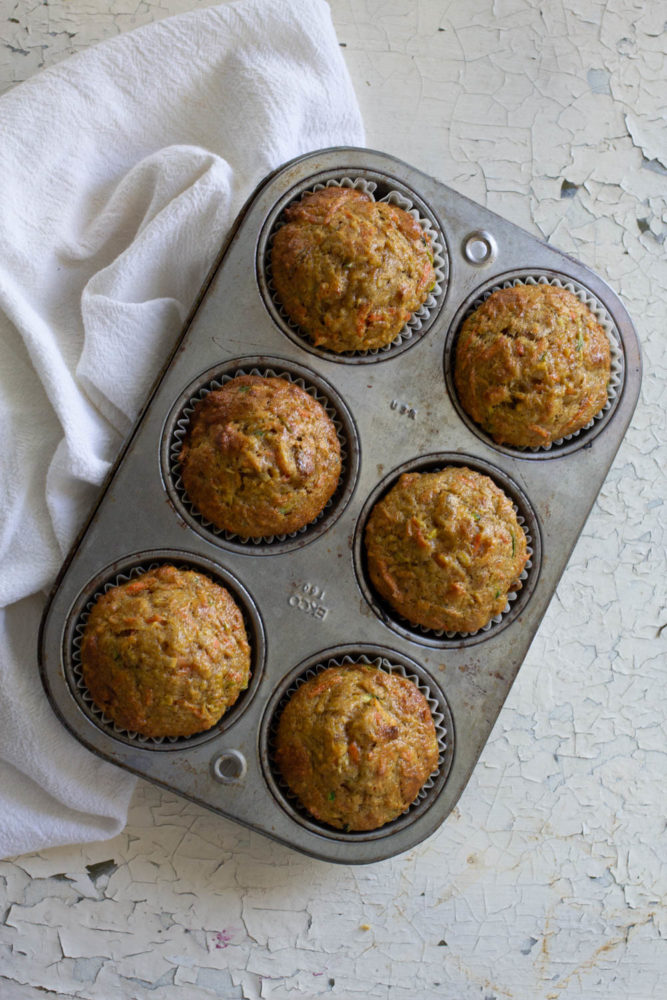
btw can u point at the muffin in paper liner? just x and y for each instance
(417, 320)
(439, 713)
(526, 579)
(180, 430)
(617, 361)
(97, 714)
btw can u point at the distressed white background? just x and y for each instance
(548, 881)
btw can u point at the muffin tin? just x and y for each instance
(306, 597)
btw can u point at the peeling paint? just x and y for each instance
(598, 81)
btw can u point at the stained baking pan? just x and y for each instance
(306, 598)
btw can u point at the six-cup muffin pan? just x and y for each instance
(306, 597)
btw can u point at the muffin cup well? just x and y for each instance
(176, 429)
(124, 571)
(584, 435)
(389, 190)
(516, 600)
(384, 659)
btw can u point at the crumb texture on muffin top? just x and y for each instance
(261, 457)
(532, 365)
(445, 549)
(166, 654)
(356, 744)
(351, 271)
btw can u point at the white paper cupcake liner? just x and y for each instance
(443, 735)
(617, 366)
(419, 318)
(181, 428)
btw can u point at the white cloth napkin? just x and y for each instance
(121, 169)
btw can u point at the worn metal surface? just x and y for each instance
(404, 415)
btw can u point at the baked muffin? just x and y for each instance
(350, 271)
(261, 457)
(165, 654)
(445, 549)
(355, 744)
(532, 365)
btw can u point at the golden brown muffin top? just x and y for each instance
(350, 271)
(262, 457)
(445, 549)
(166, 654)
(532, 365)
(355, 744)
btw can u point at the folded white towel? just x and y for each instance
(121, 170)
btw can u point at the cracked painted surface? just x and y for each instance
(548, 881)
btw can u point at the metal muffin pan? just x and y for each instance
(306, 597)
